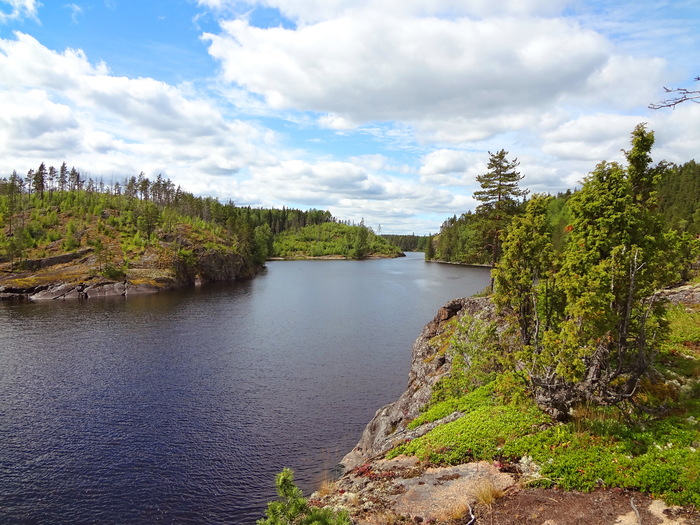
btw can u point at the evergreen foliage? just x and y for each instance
(679, 197)
(475, 238)
(408, 243)
(293, 509)
(590, 321)
(60, 205)
(332, 239)
(462, 239)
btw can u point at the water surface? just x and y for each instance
(180, 407)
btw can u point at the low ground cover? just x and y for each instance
(651, 444)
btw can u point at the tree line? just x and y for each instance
(474, 236)
(51, 204)
(408, 243)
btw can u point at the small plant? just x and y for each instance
(485, 492)
(113, 272)
(328, 487)
(293, 509)
(454, 512)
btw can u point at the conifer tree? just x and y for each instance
(590, 325)
(498, 196)
(62, 177)
(39, 180)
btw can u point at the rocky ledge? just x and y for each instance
(428, 365)
(377, 491)
(77, 275)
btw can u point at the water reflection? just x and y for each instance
(181, 407)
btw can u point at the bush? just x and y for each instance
(293, 508)
(114, 272)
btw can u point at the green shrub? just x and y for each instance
(113, 272)
(293, 508)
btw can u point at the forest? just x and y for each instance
(53, 211)
(472, 237)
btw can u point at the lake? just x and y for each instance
(181, 407)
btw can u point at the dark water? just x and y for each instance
(181, 407)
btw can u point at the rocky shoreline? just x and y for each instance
(428, 364)
(404, 490)
(77, 276)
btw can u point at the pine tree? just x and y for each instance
(62, 177)
(498, 198)
(39, 180)
(293, 508)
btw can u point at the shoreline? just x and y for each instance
(378, 490)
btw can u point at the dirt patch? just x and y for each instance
(403, 491)
(601, 507)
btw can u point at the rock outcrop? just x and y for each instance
(76, 275)
(404, 489)
(688, 294)
(429, 363)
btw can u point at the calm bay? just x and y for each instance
(181, 407)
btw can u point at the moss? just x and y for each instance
(479, 434)
(482, 396)
(656, 452)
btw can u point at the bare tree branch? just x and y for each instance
(681, 95)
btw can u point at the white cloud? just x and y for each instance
(677, 137)
(56, 105)
(382, 110)
(455, 80)
(443, 166)
(336, 122)
(592, 137)
(17, 9)
(75, 10)
(377, 69)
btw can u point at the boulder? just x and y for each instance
(107, 289)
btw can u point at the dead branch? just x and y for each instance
(681, 95)
(634, 507)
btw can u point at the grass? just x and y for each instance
(327, 487)
(454, 512)
(486, 493)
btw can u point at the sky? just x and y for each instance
(382, 110)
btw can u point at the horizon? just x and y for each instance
(378, 111)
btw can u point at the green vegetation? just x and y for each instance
(332, 239)
(156, 230)
(588, 319)
(461, 239)
(408, 243)
(293, 509)
(588, 380)
(475, 237)
(679, 197)
(155, 225)
(656, 450)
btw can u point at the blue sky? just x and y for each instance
(382, 110)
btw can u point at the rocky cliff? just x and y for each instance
(429, 363)
(77, 275)
(405, 489)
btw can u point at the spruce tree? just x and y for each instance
(498, 196)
